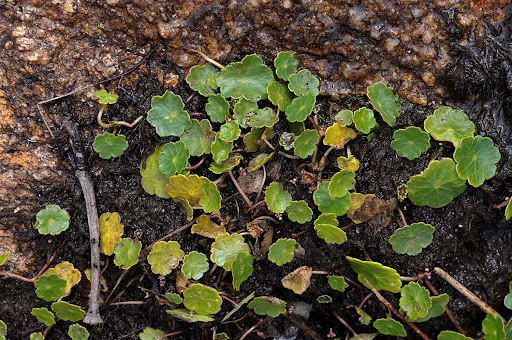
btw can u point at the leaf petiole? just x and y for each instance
(116, 122)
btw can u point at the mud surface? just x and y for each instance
(432, 53)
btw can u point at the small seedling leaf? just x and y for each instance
(438, 304)
(326, 226)
(476, 159)
(241, 111)
(165, 256)
(287, 140)
(199, 138)
(306, 143)
(151, 334)
(379, 276)
(50, 288)
(299, 211)
(385, 102)
(268, 305)
(285, 64)
(508, 298)
(338, 136)
(68, 312)
(248, 79)
(111, 231)
(52, 220)
(127, 253)
(167, 115)
(337, 283)
(210, 200)
(277, 198)
(3, 258)
(188, 316)
(105, 97)
(229, 131)
(341, 183)
(205, 227)
(415, 300)
(195, 264)
(282, 251)
(508, 209)
(77, 332)
(344, 118)
(389, 326)
(44, 315)
(328, 204)
(227, 165)
(298, 280)
(303, 83)
(449, 335)
(449, 124)
(412, 239)
(198, 77)
(493, 328)
(242, 268)
(437, 186)
(225, 249)
(202, 299)
(152, 180)
(300, 108)
(364, 120)
(173, 159)
(67, 272)
(265, 117)
(234, 310)
(258, 161)
(108, 145)
(174, 298)
(279, 95)
(348, 163)
(410, 142)
(221, 149)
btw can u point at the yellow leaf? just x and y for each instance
(298, 280)
(349, 163)
(66, 271)
(111, 231)
(338, 136)
(104, 284)
(205, 227)
(187, 191)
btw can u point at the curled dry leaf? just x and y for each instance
(298, 280)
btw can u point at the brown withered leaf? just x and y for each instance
(298, 280)
(371, 209)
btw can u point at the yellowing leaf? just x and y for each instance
(349, 163)
(298, 280)
(205, 227)
(67, 272)
(104, 283)
(338, 136)
(111, 231)
(371, 209)
(186, 190)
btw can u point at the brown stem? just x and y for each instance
(321, 164)
(197, 165)
(402, 217)
(247, 200)
(317, 127)
(34, 279)
(340, 319)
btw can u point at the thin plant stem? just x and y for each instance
(288, 155)
(247, 200)
(351, 224)
(412, 278)
(195, 114)
(262, 183)
(317, 127)
(204, 56)
(255, 205)
(321, 163)
(34, 279)
(402, 217)
(114, 123)
(197, 165)
(340, 319)
(174, 333)
(502, 204)
(239, 150)
(269, 145)
(370, 294)
(106, 266)
(127, 303)
(229, 300)
(249, 331)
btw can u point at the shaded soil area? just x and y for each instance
(431, 53)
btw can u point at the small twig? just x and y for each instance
(205, 57)
(340, 319)
(320, 272)
(502, 204)
(247, 200)
(468, 294)
(127, 303)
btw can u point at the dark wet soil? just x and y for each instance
(472, 240)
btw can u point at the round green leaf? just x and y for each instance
(337, 283)
(44, 315)
(437, 186)
(438, 304)
(68, 312)
(364, 120)
(199, 137)
(108, 145)
(300, 108)
(410, 142)
(412, 239)
(77, 332)
(173, 159)
(306, 143)
(229, 131)
(248, 79)
(195, 264)
(152, 180)
(326, 226)
(282, 251)
(52, 220)
(328, 204)
(384, 101)
(344, 117)
(211, 199)
(493, 328)
(50, 287)
(277, 198)
(389, 327)
(151, 334)
(167, 115)
(303, 82)
(415, 300)
(202, 299)
(105, 97)
(165, 256)
(221, 150)
(265, 117)
(226, 248)
(217, 108)
(197, 79)
(241, 111)
(127, 253)
(279, 95)
(268, 305)
(341, 183)
(379, 276)
(476, 159)
(285, 64)
(448, 124)
(242, 269)
(449, 335)
(299, 211)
